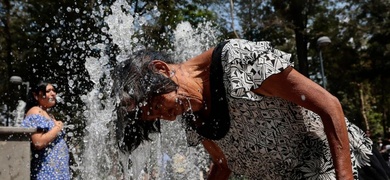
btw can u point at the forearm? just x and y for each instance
(293, 86)
(337, 135)
(219, 169)
(218, 173)
(41, 140)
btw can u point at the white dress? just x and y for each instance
(271, 138)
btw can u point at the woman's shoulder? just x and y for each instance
(37, 113)
(200, 61)
(34, 111)
(34, 118)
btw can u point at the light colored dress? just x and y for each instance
(52, 162)
(271, 138)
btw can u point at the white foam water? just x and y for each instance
(167, 156)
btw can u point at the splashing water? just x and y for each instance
(18, 113)
(167, 156)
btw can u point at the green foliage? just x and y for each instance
(158, 34)
(358, 54)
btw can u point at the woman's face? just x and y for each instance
(47, 99)
(187, 97)
(170, 105)
(165, 106)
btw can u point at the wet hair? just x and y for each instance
(35, 89)
(135, 84)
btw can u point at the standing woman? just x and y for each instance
(50, 153)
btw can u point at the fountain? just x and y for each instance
(167, 156)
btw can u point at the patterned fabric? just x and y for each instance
(270, 137)
(53, 161)
(248, 64)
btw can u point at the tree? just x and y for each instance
(358, 51)
(375, 54)
(279, 22)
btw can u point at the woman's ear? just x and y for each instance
(160, 67)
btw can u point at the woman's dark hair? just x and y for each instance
(136, 83)
(35, 89)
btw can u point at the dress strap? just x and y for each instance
(218, 124)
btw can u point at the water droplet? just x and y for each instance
(303, 97)
(70, 134)
(71, 83)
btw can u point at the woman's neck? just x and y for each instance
(197, 70)
(43, 108)
(45, 111)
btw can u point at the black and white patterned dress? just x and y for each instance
(271, 138)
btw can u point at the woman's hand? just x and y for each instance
(59, 124)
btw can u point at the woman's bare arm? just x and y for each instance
(294, 87)
(219, 169)
(40, 140)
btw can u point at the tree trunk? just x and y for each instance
(363, 109)
(301, 43)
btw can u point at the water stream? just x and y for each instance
(167, 156)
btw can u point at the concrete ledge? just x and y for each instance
(16, 130)
(15, 153)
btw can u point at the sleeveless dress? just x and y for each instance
(51, 162)
(271, 138)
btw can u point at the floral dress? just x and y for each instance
(271, 138)
(51, 162)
